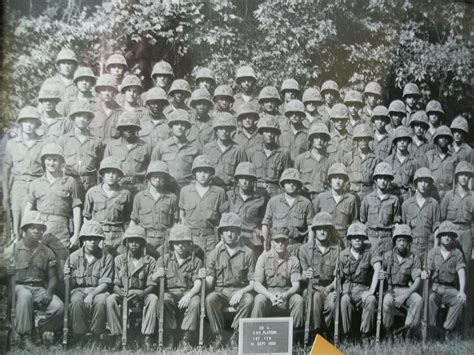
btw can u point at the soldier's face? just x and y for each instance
(48, 105)
(111, 176)
(411, 100)
(230, 235)
(296, 117)
(319, 142)
(34, 232)
(202, 107)
(117, 70)
(268, 136)
(402, 244)
(81, 120)
(156, 106)
(382, 182)
(379, 123)
(157, 180)
(247, 84)
(371, 100)
(180, 96)
(329, 98)
(443, 142)
(128, 131)
(458, 135)
(106, 93)
(463, 179)
(353, 109)
(357, 242)
(397, 118)
(179, 129)
(337, 182)
(67, 68)
(447, 240)
(434, 118)
(402, 144)
(131, 94)
(246, 183)
(280, 245)
(162, 80)
(269, 105)
(91, 244)
(29, 125)
(422, 185)
(291, 187)
(290, 95)
(84, 84)
(224, 103)
(363, 143)
(53, 163)
(322, 233)
(207, 84)
(224, 133)
(249, 122)
(135, 245)
(203, 175)
(419, 129)
(182, 247)
(339, 123)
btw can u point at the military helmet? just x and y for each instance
(460, 123)
(156, 94)
(322, 219)
(245, 169)
(269, 93)
(245, 72)
(463, 167)
(117, 59)
(106, 80)
(224, 119)
(319, 129)
(337, 169)
(205, 73)
(51, 148)
(402, 132)
(357, 229)
(447, 228)
(411, 89)
(180, 85)
(134, 232)
(66, 54)
(362, 131)
(180, 233)
(229, 220)
(290, 174)
(200, 95)
(131, 81)
(32, 217)
(91, 229)
(157, 166)
(49, 92)
(373, 88)
(312, 95)
(267, 122)
(162, 68)
(353, 96)
(339, 111)
(380, 111)
(223, 90)
(330, 85)
(383, 169)
(423, 173)
(442, 131)
(294, 106)
(402, 230)
(203, 161)
(289, 84)
(179, 115)
(419, 117)
(246, 109)
(84, 72)
(397, 106)
(110, 163)
(129, 119)
(29, 112)
(81, 107)
(434, 106)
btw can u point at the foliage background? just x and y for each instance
(350, 41)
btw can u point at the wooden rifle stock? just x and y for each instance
(381, 278)
(309, 300)
(203, 308)
(125, 301)
(67, 290)
(337, 298)
(13, 297)
(161, 301)
(424, 321)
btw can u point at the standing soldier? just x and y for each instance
(380, 209)
(312, 99)
(133, 279)
(330, 93)
(435, 115)
(181, 269)
(91, 272)
(290, 90)
(293, 137)
(459, 147)
(230, 267)
(109, 204)
(247, 118)
(205, 79)
(446, 269)
(248, 201)
(402, 271)
(201, 204)
(56, 196)
(269, 158)
(225, 154)
(201, 121)
(130, 91)
(421, 212)
(53, 124)
(337, 202)
(179, 93)
(382, 140)
(290, 210)
(246, 80)
(156, 208)
(270, 101)
(21, 165)
(85, 80)
(162, 75)
(341, 140)
(354, 103)
(397, 113)
(36, 281)
(318, 262)
(373, 98)
(117, 66)
(277, 281)
(223, 99)
(411, 96)
(155, 123)
(66, 64)
(359, 269)
(420, 143)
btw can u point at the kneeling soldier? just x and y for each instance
(230, 266)
(181, 269)
(133, 279)
(277, 280)
(403, 271)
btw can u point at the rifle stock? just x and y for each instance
(67, 290)
(381, 277)
(161, 301)
(13, 299)
(424, 321)
(309, 300)
(203, 309)
(125, 302)
(337, 298)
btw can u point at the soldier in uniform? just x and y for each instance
(66, 64)
(435, 115)
(56, 196)
(162, 75)
(179, 93)
(353, 101)
(223, 99)
(397, 113)
(290, 210)
(330, 93)
(359, 268)
(290, 90)
(270, 101)
(411, 96)
(85, 80)
(230, 272)
(246, 80)
(341, 140)
(247, 118)
(402, 271)
(312, 99)
(382, 144)
(155, 123)
(182, 270)
(201, 204)
(134, 269)
(420, 143)
(318, 260)
(91, 272)
(36, 280)
(117, 66)
(53, 124)
(373, 98)
(277, 281)
(459, 147)
(201, 129)
(293, 137)
(109, 204)
(205, 79)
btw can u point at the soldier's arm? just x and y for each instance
(7, 166)
(364, 210)
(52, 279)
(77, 221)
(259, 278)
(295, 278)
(461, 271)
(373, 286)
(88, 206)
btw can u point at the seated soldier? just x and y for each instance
(230, 267)
(402, 270)
(277, 281)
(359, 268)
(91, 274)
(133, 279)
(36, 279)
(181, 269)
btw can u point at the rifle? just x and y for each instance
(424, 321)
(125, 301)
(203, 309)
(13, 298)
(381, 277)
(67, 287)
(337, 298)
(309, 300)
(161, 300)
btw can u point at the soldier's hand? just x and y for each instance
(184, 301)
(461, 296)
(11, 270)
(308, 274)
(424, 275)
(89, 299)
(66, 269)
(202, 273)
(121, 292)
(274, 299)
(74, 241)
(235, 299)
(135, 293)
(45, 298)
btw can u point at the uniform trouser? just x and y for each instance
(149, 315)
(189, 316)
(466, 233)
(113, 238)
(445, 295)
(352, 300)
(58, 226)
(18, 199)
(263, 307)
(322, 307)
(218, 300)
(85, 317)
(27, 298)
(414, 303)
